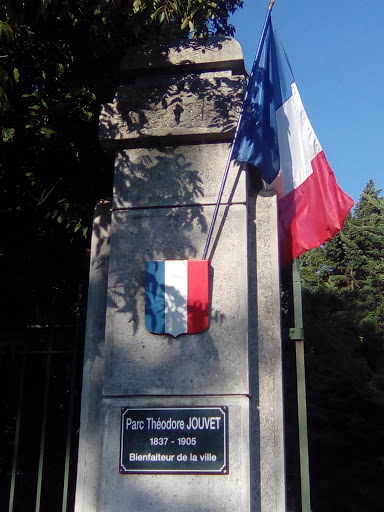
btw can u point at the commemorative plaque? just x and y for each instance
(174, 440)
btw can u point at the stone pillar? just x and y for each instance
(170, 126)
(270, 371)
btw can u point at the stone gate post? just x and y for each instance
(169, 127)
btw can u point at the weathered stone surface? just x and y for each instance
(216, 361)
(177, 118)
(272, 459)
(215, 53)
(190, 108)
(176, 493)
(176, 175)
(93, 371)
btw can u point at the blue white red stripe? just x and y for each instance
(176, 296)
(277, 137)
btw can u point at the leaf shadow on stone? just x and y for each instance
(151, 98)
(179, 182)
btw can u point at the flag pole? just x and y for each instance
(226, 172)
(297, 334)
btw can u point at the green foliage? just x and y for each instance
(344, 327)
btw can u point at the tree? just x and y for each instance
(344, 326)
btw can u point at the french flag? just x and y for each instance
(176, 296)
(276, 136)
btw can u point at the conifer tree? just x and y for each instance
(344, 326)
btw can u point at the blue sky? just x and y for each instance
(336, 51)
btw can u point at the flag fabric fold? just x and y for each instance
(276, 136)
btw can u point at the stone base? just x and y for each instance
(176, 492)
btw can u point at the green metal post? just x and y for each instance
(297, 334)
(71, 407)
(18, 425)
(43, 429)
(43, 433)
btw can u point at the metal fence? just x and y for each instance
(40, 391)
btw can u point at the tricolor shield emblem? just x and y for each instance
(176, 296)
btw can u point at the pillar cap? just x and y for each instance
(216, 53)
